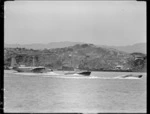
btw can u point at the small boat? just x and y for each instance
(78, 71)
(129, 76)
(85, 73)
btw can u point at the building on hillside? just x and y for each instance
(138, 57)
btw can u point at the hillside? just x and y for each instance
(82, 56)
(139, 47)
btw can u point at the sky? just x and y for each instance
(104, 23)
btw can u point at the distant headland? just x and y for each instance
(138, 47)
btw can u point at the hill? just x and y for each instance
(139, 47)
(82, 56)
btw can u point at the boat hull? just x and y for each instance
(129, 76)
(33, 69)
(134, 76)
(85, 73)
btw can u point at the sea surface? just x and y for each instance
(55, 92)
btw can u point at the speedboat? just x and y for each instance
(129, 76)
(85, 73)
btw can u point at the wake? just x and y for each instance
(72, 76)
(126, 78)
(78, 76)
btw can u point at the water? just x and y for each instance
(54, 92)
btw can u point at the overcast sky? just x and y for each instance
(97, 22)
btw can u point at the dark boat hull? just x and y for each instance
(135, 76)
(85, 73)
(129, 76)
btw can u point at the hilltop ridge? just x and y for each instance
(138, 47)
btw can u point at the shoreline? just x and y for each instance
(96, 70)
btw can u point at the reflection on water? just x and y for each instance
(100, 92)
